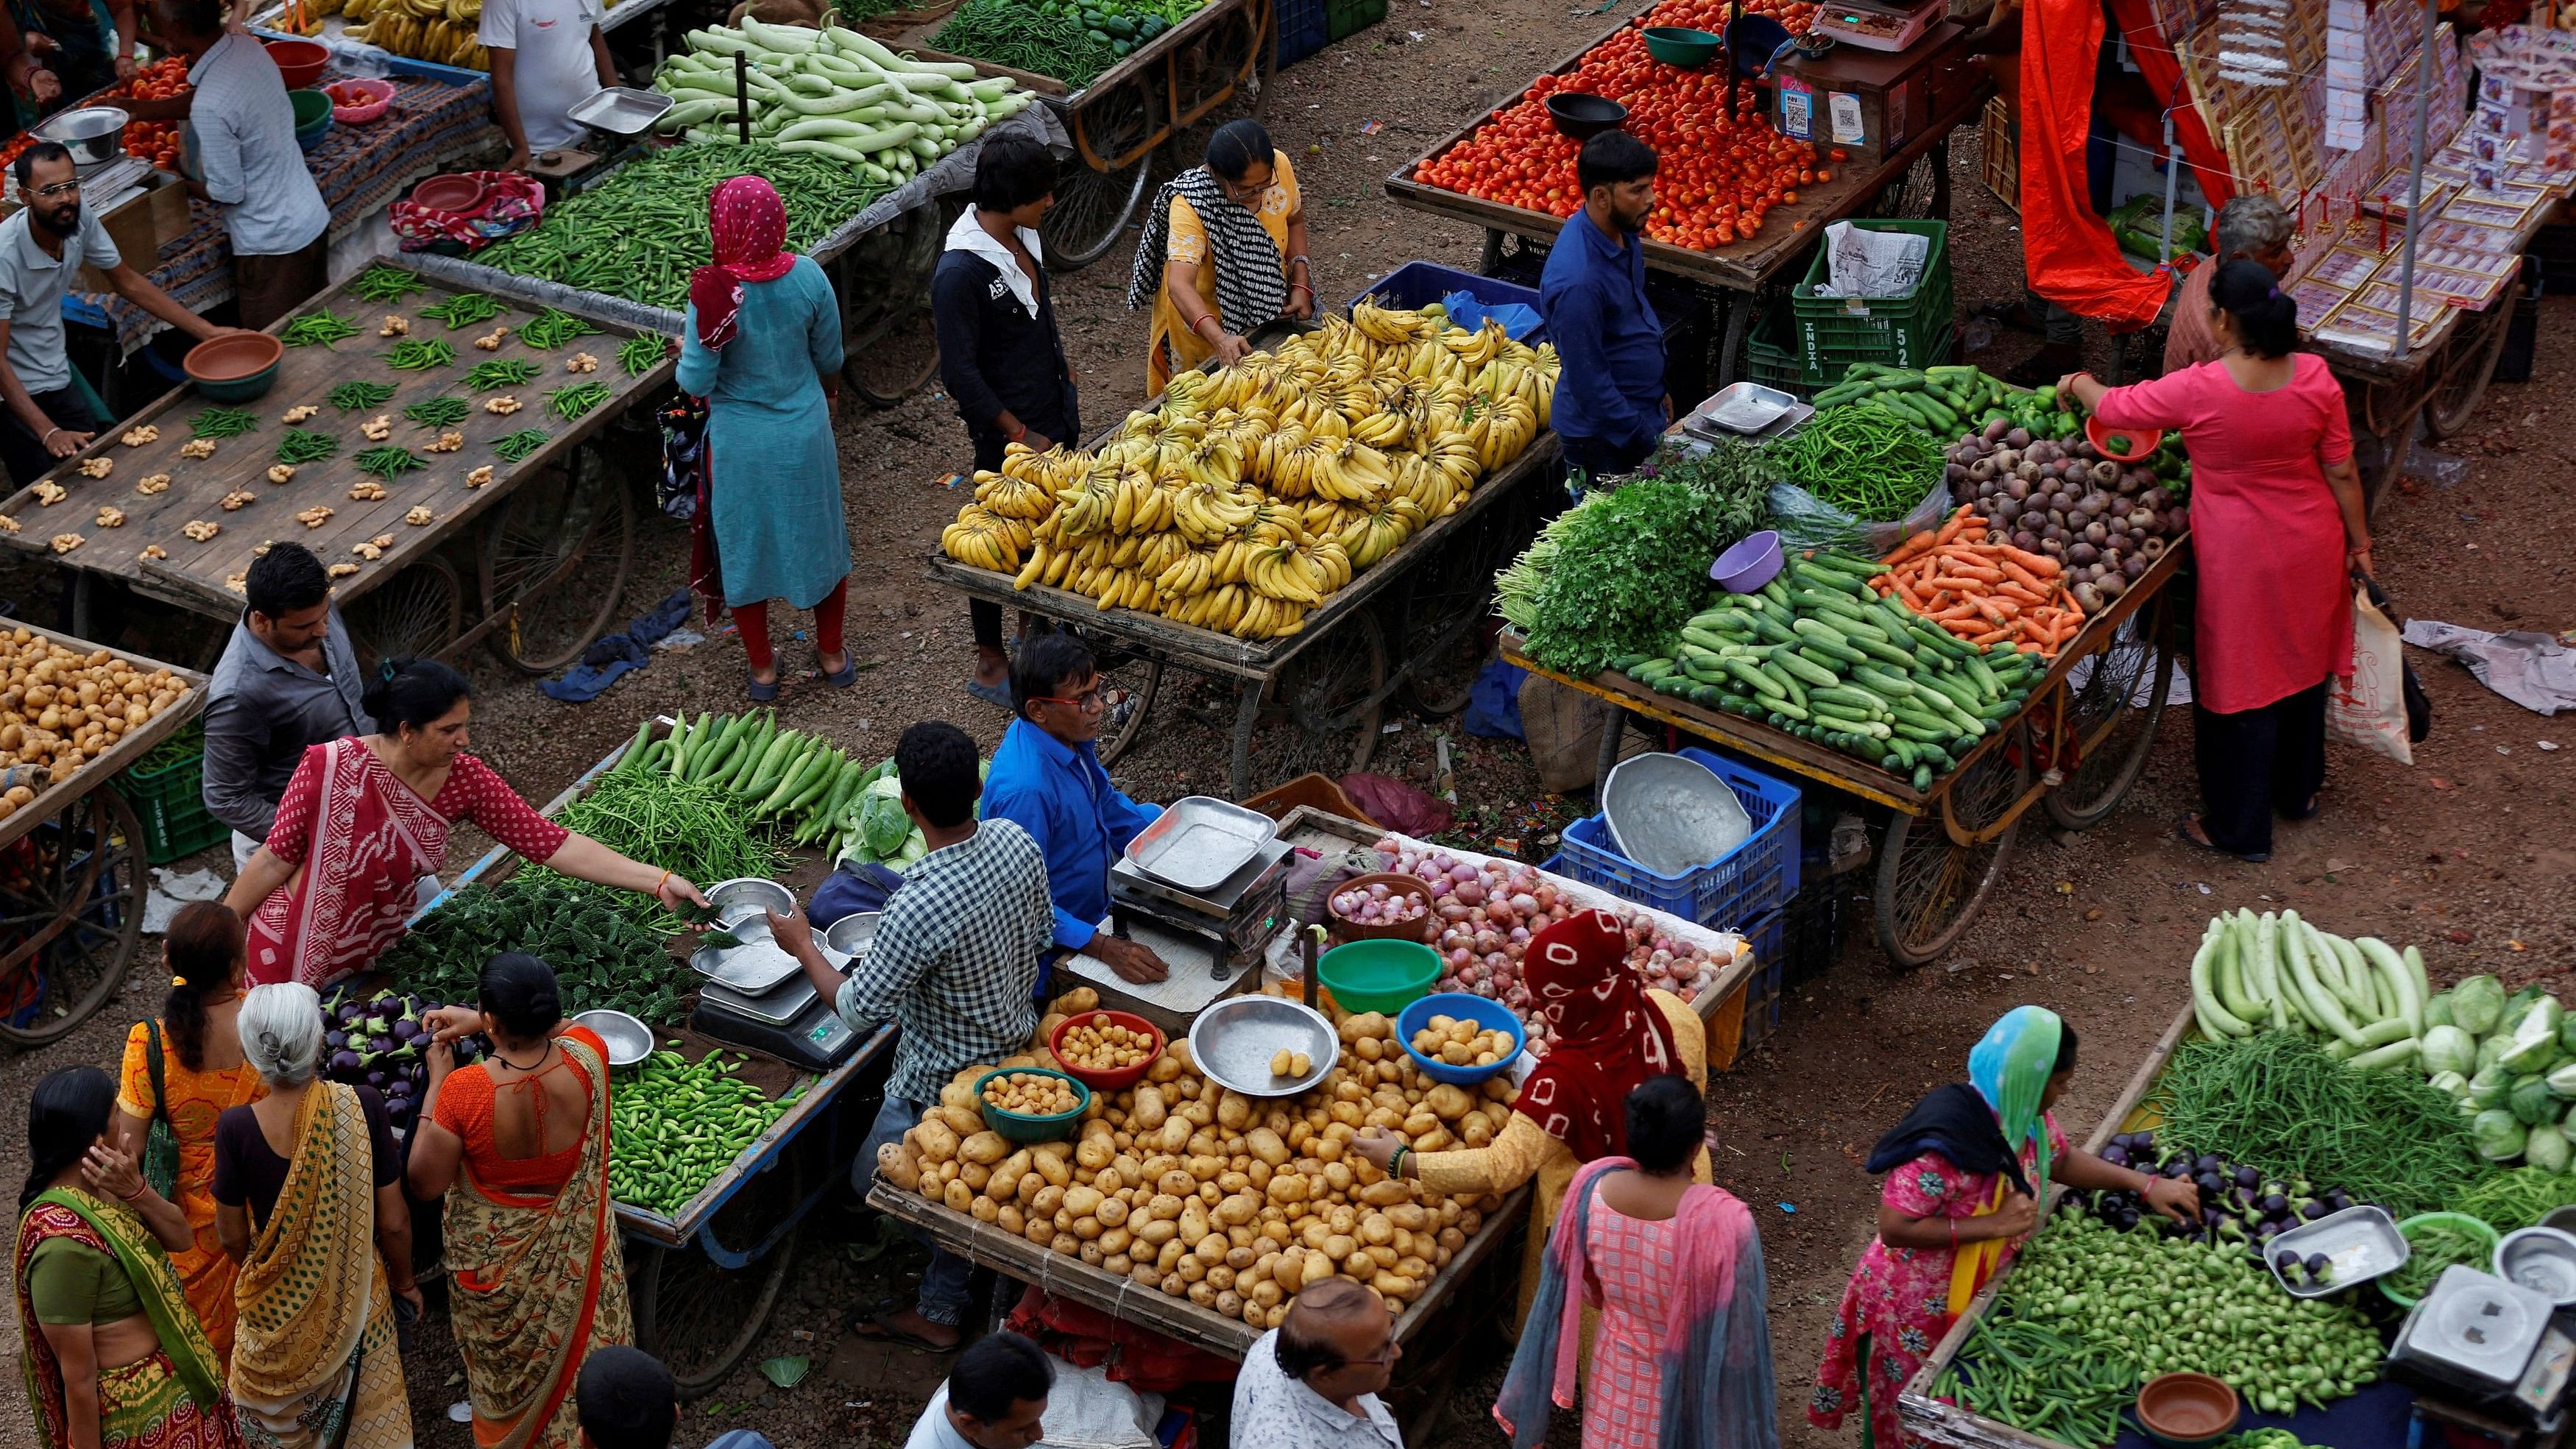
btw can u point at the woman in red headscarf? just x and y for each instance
(1612, 1033)
(763, 349)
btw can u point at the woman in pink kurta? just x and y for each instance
(2277, 531)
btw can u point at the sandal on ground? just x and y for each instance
(2305, 812)
(865, 1324)
(2191, 832)
(996, 695)
(848, 674)
(761, 693)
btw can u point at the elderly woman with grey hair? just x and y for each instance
(2250, 228)
(308, 1196)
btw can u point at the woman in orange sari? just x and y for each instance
(518, 1146)
(201, 1075)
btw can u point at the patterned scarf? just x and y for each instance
(1609, 1035)
(113, 1229)
(748, 224)
(373, 839)
(1251, 277)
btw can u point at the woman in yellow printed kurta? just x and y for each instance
(1224, 251)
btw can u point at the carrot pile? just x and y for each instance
(1983, 590)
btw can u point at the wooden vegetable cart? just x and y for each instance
(704, 1280)
(1737, 280)
(2075, 745)
(1118, 120)
(71, 876)
(548, 563)
(2438, 384)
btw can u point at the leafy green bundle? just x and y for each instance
(601, 956)
(1630, 567)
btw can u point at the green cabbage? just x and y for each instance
(2490, 1086)
(2535, 1036)
(2477, 1004)
(2498, 1136)
(2567, 1034)
(2546, 1150)
(2449, 1084)
(2449, 1049)
(883, 825)
(2492, 1049)
(2531, 1101)
(2562, 1079)
(2437, 1012)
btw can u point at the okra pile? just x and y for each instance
(674, 1124)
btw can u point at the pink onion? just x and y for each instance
(1520, 936)
(1458, 958)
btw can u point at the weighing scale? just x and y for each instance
(1877, 24)
(2491, 1348)
(751, 1001)
(620, 120)
(1211, 940)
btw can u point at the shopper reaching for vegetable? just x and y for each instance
(1971, 1164)
(365, 818)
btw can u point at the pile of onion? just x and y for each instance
(1378, 906)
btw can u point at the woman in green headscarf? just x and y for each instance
(1971, 1164)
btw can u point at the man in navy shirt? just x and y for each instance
(1610, 400)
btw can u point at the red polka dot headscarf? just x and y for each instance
(1610, 1036)
(749, 227)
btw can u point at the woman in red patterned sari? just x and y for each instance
(364, 819)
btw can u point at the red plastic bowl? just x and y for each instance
(2099, 436)
(299, 61)
(357, 101)
(1124, 1077)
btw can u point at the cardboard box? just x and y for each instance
(141, 225)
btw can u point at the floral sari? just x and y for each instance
(170, 1399)
(539, 1283)
(314, 1360)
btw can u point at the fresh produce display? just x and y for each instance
(2516, 1197)
(600, 955)
(1193, 1191)
(1721, 174)
(1031, 1094)
(639, 355)
(2238, 1201)
(801, 781)
(1817, 654)
(222, 423)
(1100, 1044)
(357, 397)
(686, 826)
(381, 284)
(438, 412)
(378, 1039)
(1860, 458)
(2106, 522)
(419, 354)
(1254, 492)
(317, 326)
(1626, 566)
(551, 329)
(301, 445)
(389, 463)
(516, 447)
(1939, 402)
(632, 234)
(834, 94)
(1488, 912)
(1378, 906)
(573, 403)
(464, 309)
(2434, 1245)
(1461, 1042)
(1984, 591)
(2281, 972)
(2031, 1376)
(500, 373)
(440, 31)
(62, 710)
(676, 1124)
(1071, 40)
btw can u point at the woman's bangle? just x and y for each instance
(1954, 1233)
(49, 432)
(1207, 317)
(1301, 287)
(140, 1188)
(1300, 260)
(657, 885)
(1395, 1164)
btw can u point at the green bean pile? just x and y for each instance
(695, 830)
(677, 1124)
(517, 446)
(643, 352)
(638, 234)
(2516, 1198)
(2436, 1246)
(315, 327)
(551, 329)
(503, 372)
(570, 403)
(388, 463)
(463, 310)
(357, 397)
(439, 412)
(2277, 1099)
(223, 423)
(1015, 33)
(303, 446)
(381, 283)
(1861, 460)
(2041, 1381)
(415, 354)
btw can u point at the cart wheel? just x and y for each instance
(2456, 400)
(542, 563)
(1922, 193)
(1930, 886)
(414, 614)
(1093, 207)
(889, 345)
(1319, 715)
(700, 1317)
(2136, 662)
(1129, 682)
(1444, 617)
(71, 910)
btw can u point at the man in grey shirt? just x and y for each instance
(43, 245)
(288, 680)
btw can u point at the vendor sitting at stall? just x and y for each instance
(1611, 405)
(2251, 227)
(1970, 1164)
(995, 1398)
(288, 681)
(1611, 1034)
(52, 412)
(364, 818)
(1047, 779)
(247, 160)
(954, 962)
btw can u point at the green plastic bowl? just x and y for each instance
(1020, 1127)
(2456, 1222)
(312, 117)
(1385, 976)
(1679, 45)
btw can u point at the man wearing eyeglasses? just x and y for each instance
(51, 414)
(1313, 1382)
(1047, 778)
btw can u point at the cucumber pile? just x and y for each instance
(678, 1123)
(1819, 655)
(1945, 402)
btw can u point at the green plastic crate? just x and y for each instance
(1346, 18)
(170, 799)
(1771, 358)
(1910, 331)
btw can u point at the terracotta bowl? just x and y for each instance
(449, 193)
(236, 366)
(1345, 928)
(2180, 1410)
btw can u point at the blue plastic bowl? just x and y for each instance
(1750, 564)
(1462, 1005)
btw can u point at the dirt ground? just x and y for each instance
(2457, 854)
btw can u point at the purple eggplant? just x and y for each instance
(344, 1061)
(2208, 1163)
(2249, 1177)
(2116, 1155)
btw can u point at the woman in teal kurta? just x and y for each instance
(763, 346)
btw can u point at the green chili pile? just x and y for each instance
(303, 446)
(2516, 1198)
(388, 462)
(696, 831)
(642, 353)
(465, 309)
(551, 329)
(1861, 460)
(2041, 1381)
(677, 1124)
(357, 397)
(500, 373)
(515, 447)
(439, 412)
(571, 403)
(417, 354)
(223, 423)
(381, 283)
(315, 327)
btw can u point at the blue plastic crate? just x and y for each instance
(1769, 938)
(1417, 283)
(1760, 875)
(1302, 29)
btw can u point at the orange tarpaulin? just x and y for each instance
(2067, 251)
(2162, 70)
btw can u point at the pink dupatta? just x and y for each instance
(373, 838)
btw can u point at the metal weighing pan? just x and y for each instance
(629, 1041)
(741, 901)
(1234, 1041)
(1743, 408)
(2361, 1242)
(1199, 842)
(620, 110)
(752, 968)
(1672, 815)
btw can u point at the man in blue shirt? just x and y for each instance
(1610, 401)
(1048, 780)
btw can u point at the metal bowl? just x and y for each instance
(91, 133)
(1672, 815)
(629, 1041)
(1234, 1040)
(744, 899)
(848, 938)
(2542, 1260)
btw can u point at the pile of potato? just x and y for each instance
(1031, 1094)
(1459, 1043)
(1232, 1202)
(62, 710)
(1102, 1045)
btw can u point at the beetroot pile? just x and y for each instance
(2104, 522)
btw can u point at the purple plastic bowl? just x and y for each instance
(1750, 564)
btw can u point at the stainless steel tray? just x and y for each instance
(1743, 408)
(629, 1041)
(2361, 1242)
(620, 110)
(1200, 842)
(1234, 1041)
(752, 968)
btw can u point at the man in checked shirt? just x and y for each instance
(953, 963)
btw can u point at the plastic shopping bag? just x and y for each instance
(2368, 710)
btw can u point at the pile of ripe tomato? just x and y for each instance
(1719, 174)
(153, 141)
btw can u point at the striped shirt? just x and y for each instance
(245, 130)
(955, 959)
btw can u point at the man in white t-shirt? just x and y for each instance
(547, 56)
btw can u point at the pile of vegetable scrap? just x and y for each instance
(1983, 590)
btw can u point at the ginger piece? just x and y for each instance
(420, 515)
(197, 448)
(301, 411)
(200, 530)
(341, 570)
(367, 490)
(448, 442)
(137, 437)
(315, 516)
(110, 516)
(394, 327)
(97, 467)
(153, 483)
(280, 472)
(66, 542)
(50, 493)
(479, 476)
(153, 550)
(238, 499)
(581, 362)
(8, 524)
(491, 341)
(379, 428)
(503, 405)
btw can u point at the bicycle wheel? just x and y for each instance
(700, 1317)
(414, 614)
(2108, 706)
(1930, 886)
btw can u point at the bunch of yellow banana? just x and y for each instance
(1427, 487)
(1143, 505)
(1222, 609)
(1206, 514)
(1268, 618)
(1373, 531)
(1055, 469)
(1354, 473)
(1085, 506)
(1390, 324)
(986, 539)
(1023, 498)
(1476, 348)
(1501, 431)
